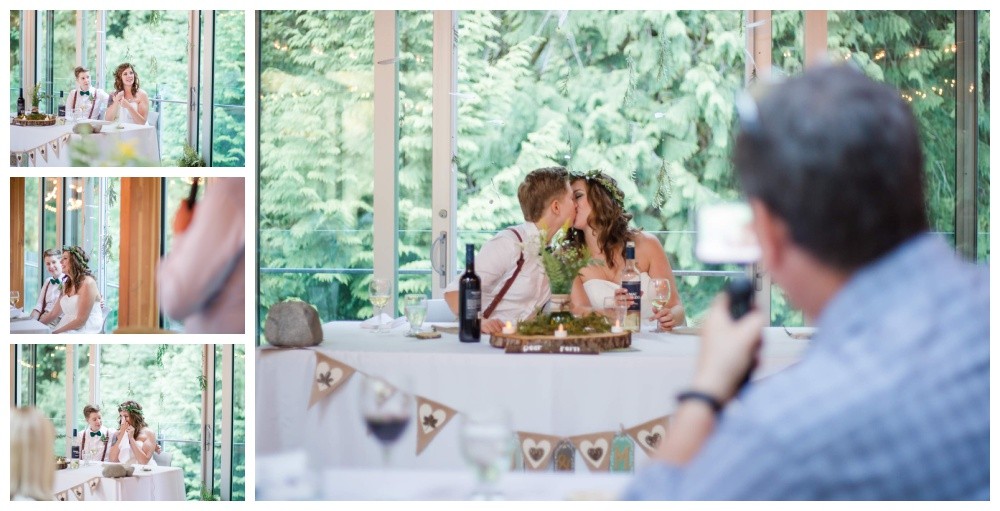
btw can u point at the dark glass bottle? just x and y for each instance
(74, 451)
(20, 102)
(61, 110)
(469, 299)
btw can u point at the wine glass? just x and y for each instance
(379, 291)
(659, 291)
(487, 444)
(14, 297)
(386, 410)
(415, 307)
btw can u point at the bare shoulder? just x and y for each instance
(645, 242)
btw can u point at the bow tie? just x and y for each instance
(54, 280)
(84, 93)
(95, 433)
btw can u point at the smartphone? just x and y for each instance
(193, 195)
(724, 234)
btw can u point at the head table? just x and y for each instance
(146, 483)
(559, 395)
(49, 146)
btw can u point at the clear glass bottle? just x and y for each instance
(632, 284)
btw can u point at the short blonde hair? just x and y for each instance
(32, 461)
(539, 189)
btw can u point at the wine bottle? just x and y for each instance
(20, 102)
(74, 450)
(469, 299)
(632, 284)
(62, 105)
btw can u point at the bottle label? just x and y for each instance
(632, 320)
(472, 304)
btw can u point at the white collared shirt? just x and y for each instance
(91, 107)
(93, 448)
(48, 295)
(495, 263)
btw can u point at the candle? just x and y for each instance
(561, 333)
(617, 329)
(508, 328)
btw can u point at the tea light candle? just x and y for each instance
(617, 329)
(508, 328)
(561, 333)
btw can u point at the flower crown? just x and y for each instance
(78, 254)
(606, 182)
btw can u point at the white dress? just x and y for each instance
(125, 456)
(599, 289)
(125, 115)
(95, 319)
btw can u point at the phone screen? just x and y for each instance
(725, 234)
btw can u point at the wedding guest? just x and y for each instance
(201, 280)
(547, 204)
(892, 399)
(32, 461)
(80, 303)
(51, 290)
(86, 102)
(95, 439)
(134, 442)
(602, 225)
(128, 101)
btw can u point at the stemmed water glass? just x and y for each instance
(415, 308)
(659, 291)
(487, 444)
(379, 291)
(14, 297)
(386, 410)
(615, 308)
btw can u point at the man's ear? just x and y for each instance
(772, 234)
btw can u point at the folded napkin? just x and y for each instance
(387, 322)
(15, 313)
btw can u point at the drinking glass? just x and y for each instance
(379, 291)
(415, 307)
(487, 444)
(659, 291)
(386, 411)
(615, 308)
(14, 297)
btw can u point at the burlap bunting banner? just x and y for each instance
(93, 483)
(78, 491)
(431, 418)
(537, 450)
(62, 496)
(650, 434)
(328, 376)
(595, 449)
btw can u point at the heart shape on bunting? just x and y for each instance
(94, 482)
(595, 449)
(62, 496)
(650, 434)
(431, 418)
(328, 376)
(78, 491)
(537, 449)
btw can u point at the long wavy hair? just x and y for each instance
(608, 217)
(134, 412)
(119, 84)
(78, 268)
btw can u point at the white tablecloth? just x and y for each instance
(28, 140)
(28, 326)
(561, 395)
(158, 483)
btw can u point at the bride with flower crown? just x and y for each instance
(134, 442)
(602, 225)
(80, 303)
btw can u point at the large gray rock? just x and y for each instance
(116, 470)
(293, 324)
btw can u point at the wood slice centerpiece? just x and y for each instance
(24, 121)
(571, 344)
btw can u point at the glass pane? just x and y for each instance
(50, 390)
(111, 251)
(33, 266)
(983, 164)
(915, 52)
(239, 423)
(787, 43)
(415, 85)
(15, 59)
(50, 213)
(167, 381)
(228, 138)
(316, 162)
(81, 385)
(64, 57)
(156, 44)
(638, 94)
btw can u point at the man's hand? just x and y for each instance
(491, 326)
(728, 349)
(183, 217)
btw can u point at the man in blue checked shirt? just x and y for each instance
(891, 400)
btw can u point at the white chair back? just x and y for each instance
(151, 117)
(438, 312)
(163, 458)
(105, 315)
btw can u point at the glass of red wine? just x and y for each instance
(386, 410)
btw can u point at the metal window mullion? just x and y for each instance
(70, 361)
(99, 64)
(256, 203)
(226, 469)
(208, 85)
(50, 57)
(444, 191)
(966, 133)
(759, 42)
(192, 96)
(386, 160)
(208, 418)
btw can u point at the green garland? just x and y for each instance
(545, 324)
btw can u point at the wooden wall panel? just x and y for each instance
(140, 251)
(17, 237)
